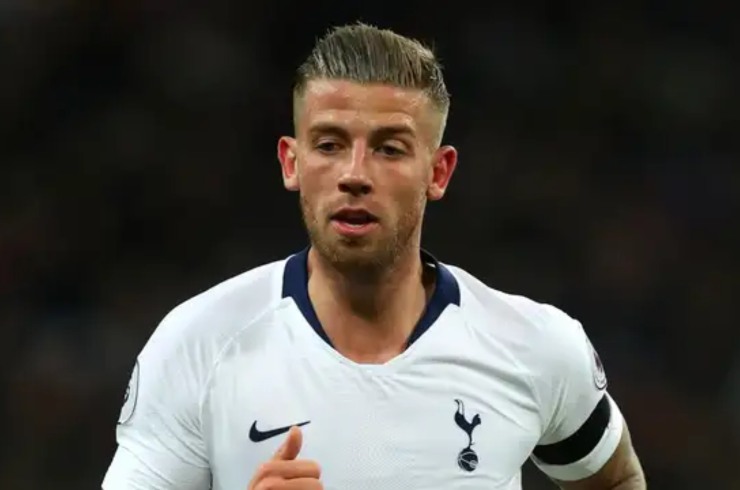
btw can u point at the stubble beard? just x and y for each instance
(365, 259)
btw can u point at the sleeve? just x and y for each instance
(160, 446)
(582, 423)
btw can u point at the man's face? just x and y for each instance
(365, 161)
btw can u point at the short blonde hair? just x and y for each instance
(366, 54)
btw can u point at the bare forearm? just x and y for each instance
(622, 472)
(634, 482)
(634, 477)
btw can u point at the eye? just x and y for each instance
(328, 146)
(390, 150)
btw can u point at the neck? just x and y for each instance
(369, 316)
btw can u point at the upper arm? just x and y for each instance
(583, 425)
(160, 446)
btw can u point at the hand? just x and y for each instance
(284, 471)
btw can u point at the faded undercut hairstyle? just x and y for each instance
(366, 54)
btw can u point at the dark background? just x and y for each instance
(599, 172)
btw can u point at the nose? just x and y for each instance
(355, 179)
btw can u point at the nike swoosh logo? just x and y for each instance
(256, 435)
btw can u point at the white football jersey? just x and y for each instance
(488, 381)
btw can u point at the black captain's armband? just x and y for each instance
(582, 442)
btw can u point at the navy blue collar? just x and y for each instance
(295, 285)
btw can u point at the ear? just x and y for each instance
(445, 161)
(286, 152)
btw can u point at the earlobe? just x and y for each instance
(445, 162)
(286, 151)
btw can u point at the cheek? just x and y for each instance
(315, 191)
(313, 187)
(306, 181)
(410, 196)
(313, 174)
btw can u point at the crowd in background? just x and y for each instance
(599, 172)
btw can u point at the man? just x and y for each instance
(393, 370)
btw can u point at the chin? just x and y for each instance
(355, 256)
(360, 252)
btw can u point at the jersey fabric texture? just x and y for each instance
(488, 381)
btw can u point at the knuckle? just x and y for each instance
(268, 484)
(264, 469)
(314, 467)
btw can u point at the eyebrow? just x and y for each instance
(379, 132)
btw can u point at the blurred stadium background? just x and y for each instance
(599, 172)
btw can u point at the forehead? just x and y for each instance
(354, 104)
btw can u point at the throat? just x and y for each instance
(371, 322)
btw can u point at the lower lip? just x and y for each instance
(348, 230)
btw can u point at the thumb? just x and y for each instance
(291, 446)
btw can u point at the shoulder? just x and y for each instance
(195, 331)
(160, 420)
(515, 312)
(541, 334)
(172, 369)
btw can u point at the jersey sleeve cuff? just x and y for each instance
(594, 460)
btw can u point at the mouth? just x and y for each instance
(353, 222)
